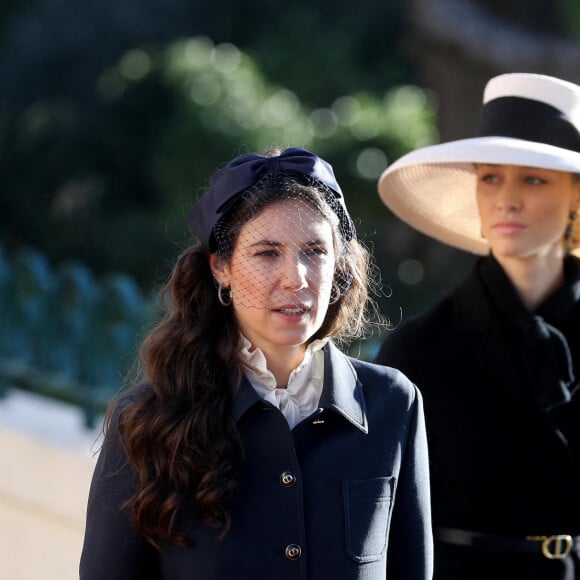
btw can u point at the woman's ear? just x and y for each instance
(220, 270)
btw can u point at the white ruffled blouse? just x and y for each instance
(301, 397)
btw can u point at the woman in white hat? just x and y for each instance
(498, 359)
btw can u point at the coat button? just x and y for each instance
(288, 479)
(293, 552)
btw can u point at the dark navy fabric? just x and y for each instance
(344, 494)
(231, 181)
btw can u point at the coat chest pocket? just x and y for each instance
(367, 511)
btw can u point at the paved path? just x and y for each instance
(46, 462)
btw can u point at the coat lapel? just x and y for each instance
(244, 397)
(342, 391)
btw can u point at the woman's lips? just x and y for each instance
(292, 310)
(508, 228)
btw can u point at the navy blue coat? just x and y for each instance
(342, 496)
(501, 388)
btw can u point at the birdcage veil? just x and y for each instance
(288, 194)
(286, 225)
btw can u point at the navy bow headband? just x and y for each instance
(228, 184)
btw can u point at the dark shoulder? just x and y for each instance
(431, 321)
(134, 395)
(376, 376)
(442, 314)
(418, 337)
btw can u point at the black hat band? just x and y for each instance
(530, 120)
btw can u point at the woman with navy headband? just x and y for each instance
(253, 448)
(498, 359)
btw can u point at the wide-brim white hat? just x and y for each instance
(527, 119)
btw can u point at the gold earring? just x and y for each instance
(569, 231)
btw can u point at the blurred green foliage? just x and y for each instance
(110, 128)
(171, 117)
(570, 17)
(113, 116)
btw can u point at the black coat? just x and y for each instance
(503, 418)
(347, 486)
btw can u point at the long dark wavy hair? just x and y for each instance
(177, 430)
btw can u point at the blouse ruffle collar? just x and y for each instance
(301, 397)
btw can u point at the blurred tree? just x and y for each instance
(106, 136)
(109, 128)
(360, 133)
(108, 181)
(535, 15)
(9, 9)
(460, 44)
(570, 10)
(59, 48)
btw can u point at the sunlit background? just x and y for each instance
(112, 117)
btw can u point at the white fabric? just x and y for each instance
(433, 188)
(550, 90)
(301, 397)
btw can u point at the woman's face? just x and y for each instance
(280, 275)
(524, 211)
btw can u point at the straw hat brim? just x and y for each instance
(433, 188)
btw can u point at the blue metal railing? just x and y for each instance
(65, 334)
(69, 336)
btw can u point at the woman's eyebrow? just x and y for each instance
(278, 244)
(265, 242)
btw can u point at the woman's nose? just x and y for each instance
(508, 199)
(294, 274)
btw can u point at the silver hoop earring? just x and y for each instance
(341, 284)
(335, 294)
(224, 299)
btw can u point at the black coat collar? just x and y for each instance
(556, 309)
(486, 303)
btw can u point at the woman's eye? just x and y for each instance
(267, 253)
(532, 180)
(315, 251)
(489, 178)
